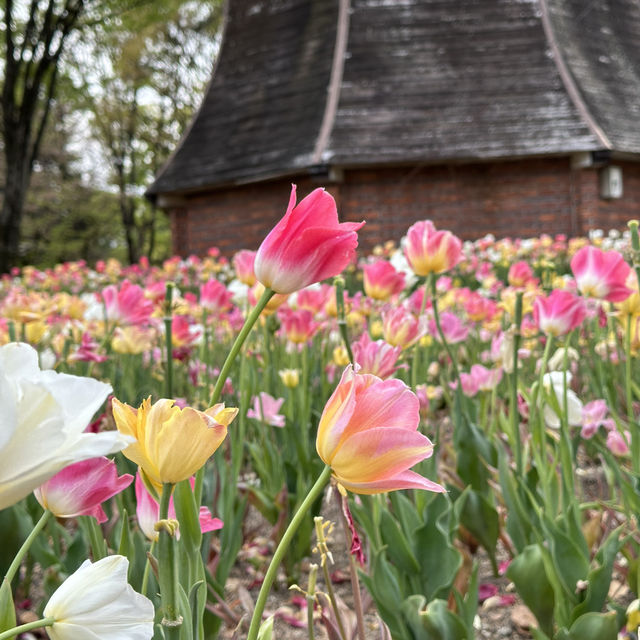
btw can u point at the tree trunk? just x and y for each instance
(15, 189)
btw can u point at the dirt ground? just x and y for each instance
(502, 615)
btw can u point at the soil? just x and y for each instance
(502, 615)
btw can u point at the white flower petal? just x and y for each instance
(98, 602)
(43, 421)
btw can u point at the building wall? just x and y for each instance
(516, 198)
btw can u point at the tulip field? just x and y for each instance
(168, 431)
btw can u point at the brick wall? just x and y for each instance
(524, 198)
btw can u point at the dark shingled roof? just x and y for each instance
(301, 83)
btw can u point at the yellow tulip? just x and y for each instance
(171, 443)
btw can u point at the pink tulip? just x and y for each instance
(485, 379)
(559, 313)
(265, 409)
(299, 325)
(601, 274)
(376, 357)
(81, 488)
(520, 274)
(215, 297)
(478, 308)
(307, 245)
(453, 328)
(368, 435)
(148, 512)
(617, 443)
(593, 417)
(469, 385)
(243, 262)
(87, 351)
(401, 328)
(127, 305)
(314, 298)
(430, 251)
(381, 280)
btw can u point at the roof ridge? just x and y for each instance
(335, 80)
(567, 78)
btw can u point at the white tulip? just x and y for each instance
(43, 415)
(97, 603)
(554, 381)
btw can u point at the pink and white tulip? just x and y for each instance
(559, 313)
(81, 488)
(308, 245)
(148, 512)
(126, 305)
(601, 274)
(215, 297)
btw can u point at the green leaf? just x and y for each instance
(569, 562)
(188, 516)
(480, 518)
(77, 553)
(527, 572)
(398, 548)
(595, 626)
(436, 622)
(186, 630)
(473, 450)
(384, 587)
(405, 511)
(124, 546)
(519, 522)
(266, 629)
(439, 559)
(599, 578)
(7, 608)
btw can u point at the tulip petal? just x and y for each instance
(403, 480)
(378, 453)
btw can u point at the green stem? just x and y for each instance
(635, 440)
(239, 341)
(96, 537)
(332, 598)
(17, 561)
(169, 339)
(342, 322)
(515, 417)
(222, 376)
(436, 317)
(23, 628)
(168, 572)
(311, 598)
(416, 347)
(353, 573)
(270, 576)
(147, 570)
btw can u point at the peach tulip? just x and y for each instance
(368, 435)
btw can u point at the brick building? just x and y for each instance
(514, 117)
